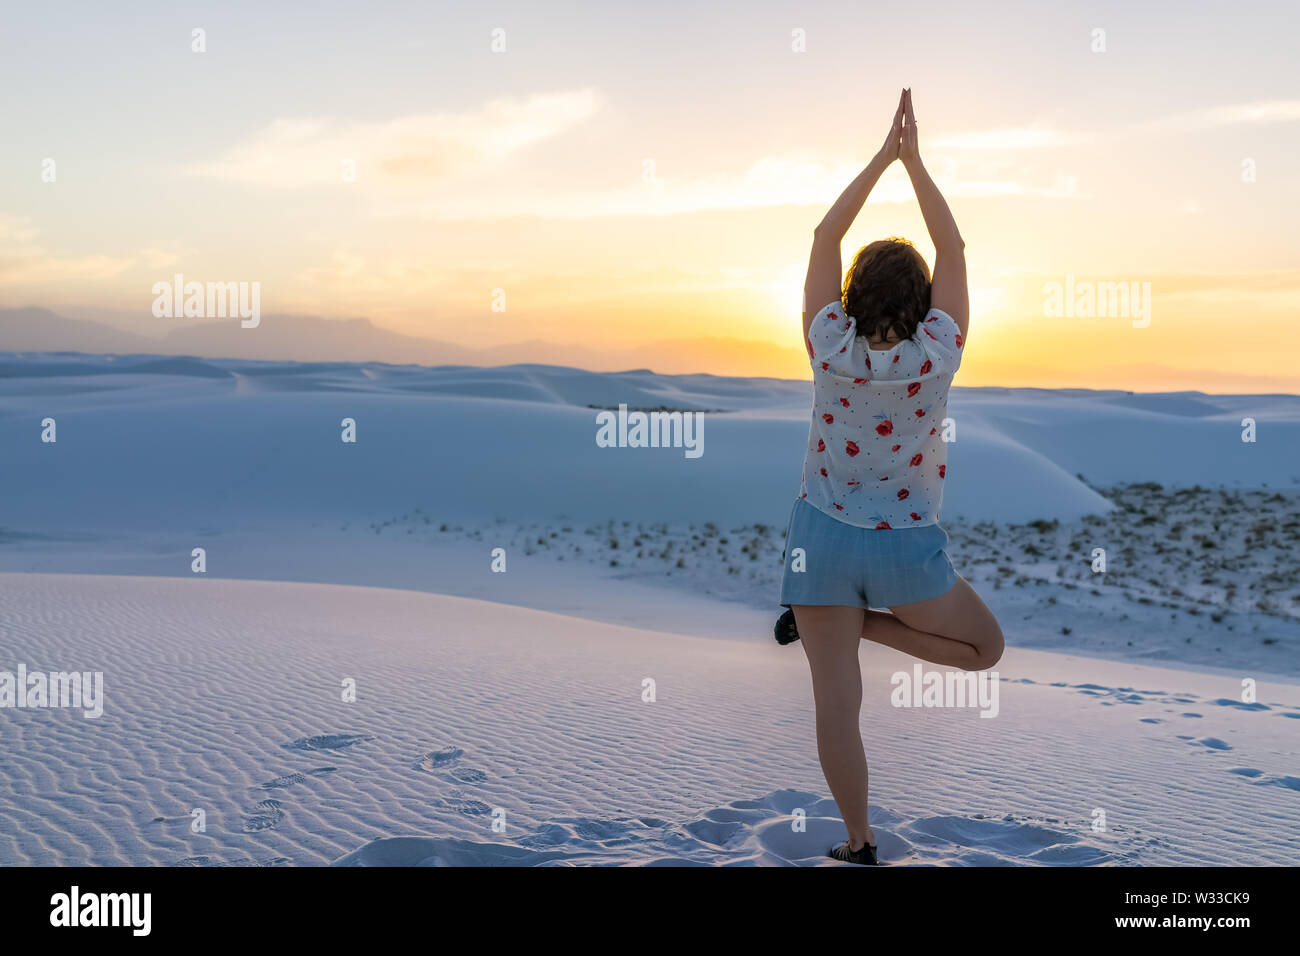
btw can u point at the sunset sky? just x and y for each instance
(647, 176)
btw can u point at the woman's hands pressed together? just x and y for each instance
(908, 149)
(889, 151)
(901, 143)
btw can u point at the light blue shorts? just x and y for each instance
(848, 566)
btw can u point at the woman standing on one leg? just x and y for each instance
(883, 354)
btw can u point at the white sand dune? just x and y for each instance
(226, 696)
(159, 455)
(233, 443)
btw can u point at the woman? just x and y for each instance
(864, 532)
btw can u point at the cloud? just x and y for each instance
(1025, 137)
(160, 255)
(1262, 113)
(766, 182)
(398, 153)
(1254, 114)
(23, 260)
(449, 166)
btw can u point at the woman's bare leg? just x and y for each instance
(955, 629)
(831, 637)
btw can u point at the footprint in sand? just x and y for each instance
(289, 779)
(976, 841)
(1257, 777)
(437, 760)
(267, 815)
(787, 827)
(327, 742)
(446, 761)
(1108, 696)
(470, 808)
(1229, 702)
(444, 764)
(209, 861)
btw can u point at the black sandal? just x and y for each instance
(785, 631)
(865, 856)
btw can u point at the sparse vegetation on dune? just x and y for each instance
(1202, 566)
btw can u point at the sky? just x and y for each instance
(647, 177)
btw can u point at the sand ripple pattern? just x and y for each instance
(488, 734)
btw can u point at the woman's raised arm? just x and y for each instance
(825, 278)
(948, 291)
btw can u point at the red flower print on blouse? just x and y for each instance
(862, 381)
(926, 366)
(912, 389)
(903, 493)
(821, 445)
(896, 447)
(883, 526)
(844, 402)
(916, 460)
(915, 516)
(826, 366)
(851, 448)
(931, 334)
(958, 340)
(943, 470)
(823, 471)
(828, 418)
(886, 427)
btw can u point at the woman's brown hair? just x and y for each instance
(887, 289)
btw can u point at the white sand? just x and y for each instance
(224, 694)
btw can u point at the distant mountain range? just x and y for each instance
(306, 338)
(300, 338)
